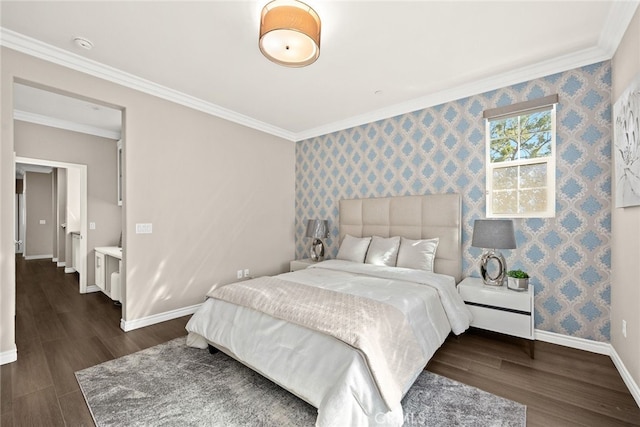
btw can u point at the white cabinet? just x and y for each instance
(499, 309)
(108, 265)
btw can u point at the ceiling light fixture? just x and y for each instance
(290, 33)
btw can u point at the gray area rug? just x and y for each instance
(175, 385)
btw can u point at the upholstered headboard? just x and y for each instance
(413, 217)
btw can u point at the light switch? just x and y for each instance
(92, 226)
(42, 221)
(144, 228)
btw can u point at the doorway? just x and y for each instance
(79, 192)
(70, 129)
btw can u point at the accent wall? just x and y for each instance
(441, 149)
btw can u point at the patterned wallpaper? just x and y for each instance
(441, 150)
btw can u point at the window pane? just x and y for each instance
(536, 122)
(503, 150)
(533, 176)
(505, 202)
(533, 200)
(505, 178)
(516, 189)
(504, 128)
(537, 144)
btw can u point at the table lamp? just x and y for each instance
(493, 234)
(318, 229)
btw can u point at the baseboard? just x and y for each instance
(30, 257)
(69, 270)
(9, 356)
(574, 342)
(92, 288)
(626, 375)
(157, 318)
(61, 264)
(594, 347)
(54, 259)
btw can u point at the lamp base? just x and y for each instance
(487, 278)
(317, 250)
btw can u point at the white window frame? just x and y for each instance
(550, 161)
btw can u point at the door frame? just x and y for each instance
(82, 169)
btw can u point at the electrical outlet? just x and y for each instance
(92, 226)
(246, 272)
(42, 222)
(624, 328)
(239, 274)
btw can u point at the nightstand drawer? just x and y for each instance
(300, 264)
(505, 322)
(499, 296)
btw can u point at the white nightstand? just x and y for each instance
(499, 309)
(300, 264)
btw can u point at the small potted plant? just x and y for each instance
(517, 280)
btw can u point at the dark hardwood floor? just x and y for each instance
(561, 386)
(59, 331)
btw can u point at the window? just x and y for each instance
(520, 159)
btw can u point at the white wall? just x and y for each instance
(73, 200)
(625, 227)
(39, 215)
(61, 214)
(54, 214)
(220, 196)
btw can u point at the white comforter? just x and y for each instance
(326, 372)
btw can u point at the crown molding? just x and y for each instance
(519, 75)
(616, 24)
(47, 52)
(40, 119)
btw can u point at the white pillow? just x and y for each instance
(383, 251)
(353, 248)
(418, 254)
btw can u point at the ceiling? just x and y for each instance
(41, 106)
(378, 58)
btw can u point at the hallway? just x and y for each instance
(60, 331)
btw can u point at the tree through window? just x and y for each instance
(521, 162)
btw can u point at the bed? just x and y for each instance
(351, 335)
